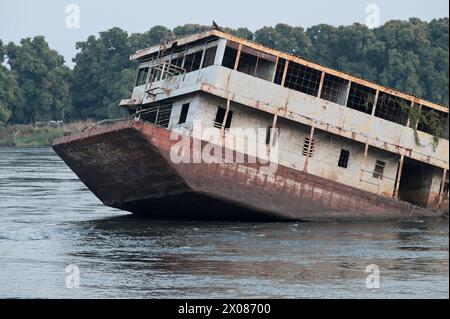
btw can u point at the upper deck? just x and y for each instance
(260, 77)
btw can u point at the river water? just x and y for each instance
(50, 223)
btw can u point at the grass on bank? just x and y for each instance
(42, 136)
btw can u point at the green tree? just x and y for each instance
(11, 99)
(292, 40)
(416, 57)
(98, 71)
(43, 79)
(189, 29)
(5, 111)
(156, 35)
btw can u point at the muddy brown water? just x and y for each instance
(49, 220)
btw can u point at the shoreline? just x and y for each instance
(29, 136)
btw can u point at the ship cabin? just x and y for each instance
(330, 124)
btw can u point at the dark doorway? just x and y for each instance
(415, 183)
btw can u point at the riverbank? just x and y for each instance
(42, 136)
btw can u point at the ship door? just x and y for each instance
(415, 184)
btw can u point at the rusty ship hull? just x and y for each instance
(127, 166)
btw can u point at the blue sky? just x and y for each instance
(27, 18)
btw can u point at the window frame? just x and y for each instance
(184, 113)
(379, 174)
(344, 158)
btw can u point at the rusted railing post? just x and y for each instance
(238, 57)
(283, 79)
(399, 177)
(375, 102)
(322, 78)
(224, 122)
(348, 93)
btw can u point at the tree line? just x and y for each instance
(36, 85)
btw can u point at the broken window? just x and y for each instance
(343, 159)
(306, 145)
(184, 113)
(361, 98)
(177, 54)
(142, 76)
(257, 63)
(178, 61)
(392, 108)
(220, 116)
(378, 172)
(247, 64)
(155, 75)
(433, 122)
(210, 55)
(159, 115)
(303, 79)
(192, 61)
(279, 71)
(229, 57)
(334, 89)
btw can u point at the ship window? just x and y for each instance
(361, 98)
(210, 55)
(159, 115)
(256, 63)
(306, 145)
(184, 113)
(268, 133)
(229, 57)
(379, 169)
(279, 71)
(303, 79)
(155, 75)
(247, 63)
(142, 76)
(163, 116)
(178, 61)
(220, 116)
(265, 69)
(192, 61)
(392, 108)
(334, 89)
(343, 159)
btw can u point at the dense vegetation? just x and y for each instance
(35, 85)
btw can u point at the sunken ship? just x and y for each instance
(336, 147)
